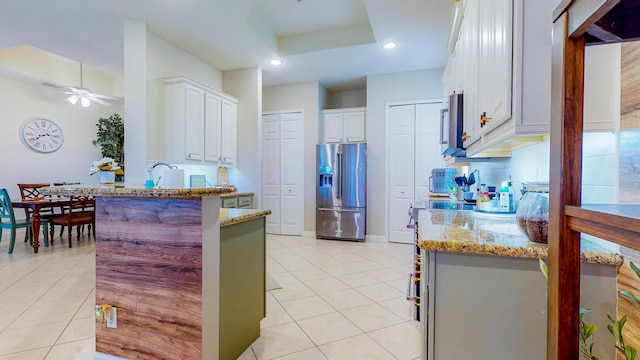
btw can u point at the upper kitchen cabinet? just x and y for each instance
(200, 124)
(495, 40)
(506, 76)
(344, 125)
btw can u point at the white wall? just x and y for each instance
(382, 89)
(307, 97)
(164, 60)
(347, 99)
(246, 86)
(71, 163)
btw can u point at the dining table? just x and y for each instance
(36, 205)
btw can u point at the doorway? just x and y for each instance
(413, 150)
(282, 188)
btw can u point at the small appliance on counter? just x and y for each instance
(441, 181)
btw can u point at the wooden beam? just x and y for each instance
(584, 13)
(566, 158)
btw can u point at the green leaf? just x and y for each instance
(630, 296)
(589, 329)
(634, 268)
(630, 353)
(545, 269)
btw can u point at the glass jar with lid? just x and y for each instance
(533, 212)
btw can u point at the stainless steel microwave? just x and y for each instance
(451, 127)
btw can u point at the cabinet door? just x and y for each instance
(495, 61)
(230, 202)
(354, 126)
(469, 31)
(245, 201)
(212, 106)
(228, 133)
(333, 128)
(194, 123)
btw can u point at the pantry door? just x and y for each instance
(414, 149)
(282, 172)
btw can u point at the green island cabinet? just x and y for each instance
(242, 285)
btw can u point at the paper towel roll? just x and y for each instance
(173, 179)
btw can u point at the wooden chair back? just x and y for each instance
(81, 211)
(31, 191)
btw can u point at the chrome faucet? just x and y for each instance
(150, 181)
(161, 163)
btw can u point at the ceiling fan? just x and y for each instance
(84, 95)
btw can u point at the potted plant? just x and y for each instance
(110, 138)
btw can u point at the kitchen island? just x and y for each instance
(162, 259)
(483, 294)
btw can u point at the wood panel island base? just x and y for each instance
(161, 262)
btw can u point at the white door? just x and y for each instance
(401, 177)
(271, 171)
(427, 147)
(414, 149)
(282, 172)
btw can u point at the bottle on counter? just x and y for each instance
(506, 198)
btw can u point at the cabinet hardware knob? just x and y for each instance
(484, 119)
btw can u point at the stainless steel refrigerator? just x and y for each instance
(341, 191)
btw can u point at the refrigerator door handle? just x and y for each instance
(339, 173)
(339, 210)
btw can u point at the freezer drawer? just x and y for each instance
(340, 223)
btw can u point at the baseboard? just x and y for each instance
(310, 234)
(376, 238)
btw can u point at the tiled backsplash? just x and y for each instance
(599, 169)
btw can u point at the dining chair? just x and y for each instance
(8, 221)
(31, 192)
(81, 212)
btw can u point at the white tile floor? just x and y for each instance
(339, 300)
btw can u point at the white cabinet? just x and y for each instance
(494, 63)
(344, 125)
(469, 37)
(200, 124)
(507, 75)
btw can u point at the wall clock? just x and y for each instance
(41, 135)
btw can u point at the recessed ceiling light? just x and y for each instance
(275, 62)
(389, 45)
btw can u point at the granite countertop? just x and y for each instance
(131, 190)
(464, 231)
(234, 194)
(236, 216)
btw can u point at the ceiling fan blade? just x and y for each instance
(58, 87)
(109, 97)
(101, 102)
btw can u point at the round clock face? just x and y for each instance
(41, 135)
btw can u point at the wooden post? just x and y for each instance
(566, 158)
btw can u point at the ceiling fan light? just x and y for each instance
(73, 99)
(85, 102)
